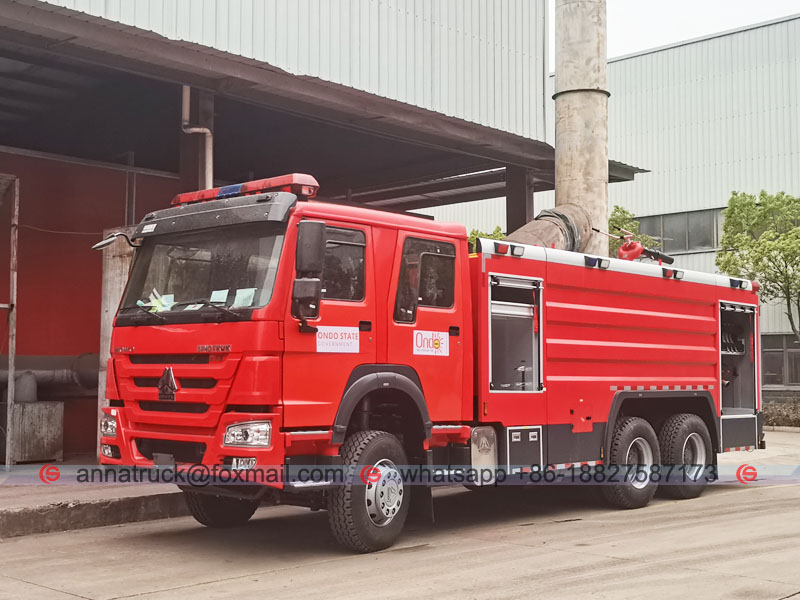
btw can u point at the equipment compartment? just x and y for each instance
(738, 358)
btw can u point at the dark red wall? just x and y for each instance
(59, 275)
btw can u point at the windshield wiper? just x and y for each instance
(144, 310)
(208, 303)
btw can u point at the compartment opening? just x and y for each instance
(514, 335)
(738, 346)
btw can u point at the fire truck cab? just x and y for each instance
(263, 330)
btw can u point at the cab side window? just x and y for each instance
(343, 274)
(427, 278)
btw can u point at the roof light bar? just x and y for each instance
(738, 284)
(296, 183)
(500, 248)
(596, 261)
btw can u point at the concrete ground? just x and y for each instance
(733, 542)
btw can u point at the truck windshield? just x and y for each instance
(227, 270)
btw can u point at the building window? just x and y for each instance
(701, 230)
(780, 360)
(675, 232)
(685, 232)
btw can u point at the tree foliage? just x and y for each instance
(761, 241)
(497, 234)
(623, 219)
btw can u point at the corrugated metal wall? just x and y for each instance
(480, 60)
(705, 118)
(708, 117)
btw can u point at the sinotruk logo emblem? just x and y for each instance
(167, 386)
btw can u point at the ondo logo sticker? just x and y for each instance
(432, 343)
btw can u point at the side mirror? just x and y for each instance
(111, 239)
(306, 295)
(310, 257)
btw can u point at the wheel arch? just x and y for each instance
(657, 406)
(366, 380)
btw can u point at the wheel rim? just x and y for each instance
(639, 455)
(384, 497)
(694, 455)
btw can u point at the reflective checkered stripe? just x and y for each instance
(740, 449)
(578, 465)
(660, 388)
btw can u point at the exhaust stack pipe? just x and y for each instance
(186, 127)
(581, 166)
(581, 99)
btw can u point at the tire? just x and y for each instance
(684, 441)
(358, 517)
(634, 440)
(219, 511)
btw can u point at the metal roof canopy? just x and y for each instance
(362, 147)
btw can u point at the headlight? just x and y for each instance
(254, 433)
(108, 426)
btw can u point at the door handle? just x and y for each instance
(365, 325)
(455, 331)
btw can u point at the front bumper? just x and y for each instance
(146, 445)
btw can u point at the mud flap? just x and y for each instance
(421, 509)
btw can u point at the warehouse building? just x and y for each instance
(109, 108)
(704, 117)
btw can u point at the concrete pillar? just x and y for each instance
(117, 260)
(519, 197)
(581, 100)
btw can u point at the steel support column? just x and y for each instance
(519, 197)
(9, 185)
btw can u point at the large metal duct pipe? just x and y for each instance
(581, 168)
(566, 227)
(81, 372)
(581, 99)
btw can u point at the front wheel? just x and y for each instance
(219, 511)
(367, 512)
(634, 449)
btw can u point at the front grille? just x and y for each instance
(167, 359)
(193, 383)
(173, 407)
(182, 452)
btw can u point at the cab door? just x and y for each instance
(318, 363)
(426, 320)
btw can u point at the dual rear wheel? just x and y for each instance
(675, 462)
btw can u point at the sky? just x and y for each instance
(636, 25)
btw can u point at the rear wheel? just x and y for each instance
(367, 512)
(686, 454)
(634, 449)
(219, 511)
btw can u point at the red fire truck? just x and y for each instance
(262, 329)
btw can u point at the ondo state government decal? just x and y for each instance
(433, 343)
